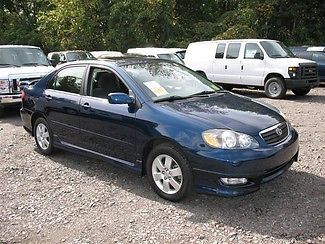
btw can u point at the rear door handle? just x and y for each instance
(48, 97)
(242, 67)
(226, 66)
(86, 106)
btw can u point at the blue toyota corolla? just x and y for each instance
(161, 119)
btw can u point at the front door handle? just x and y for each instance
(226, 66)
(242, 67)
(86, 106)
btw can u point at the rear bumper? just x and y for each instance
(10, 99)
(302, 83)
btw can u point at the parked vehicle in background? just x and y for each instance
(180, 52)
(319, 58)
(68, 56)
(297, 49)
(253, 63)
(316, 49)
(19, 66)
(99, 54)
(159, 118)
(161, 53)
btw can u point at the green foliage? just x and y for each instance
(122, 24)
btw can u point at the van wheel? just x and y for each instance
(275, 88)
(43, 136)
(227, 87)
(301, 91)
(169, 172)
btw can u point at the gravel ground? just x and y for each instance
(67, 198)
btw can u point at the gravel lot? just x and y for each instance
(67, 198)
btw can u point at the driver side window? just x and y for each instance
(103, 82)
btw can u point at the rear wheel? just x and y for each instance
(43, 136)
(169, 172)
(301, 91)
(275, 88)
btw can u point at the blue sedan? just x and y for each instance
(161, 119)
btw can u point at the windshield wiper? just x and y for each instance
(14, 65)
(33, 64)
(202, 93)
(170, 99)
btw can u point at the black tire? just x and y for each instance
(44, 146)
(2, 111)
(179, 163)
(275, 88)
(227, 87)
(202, 74)
(301, 91)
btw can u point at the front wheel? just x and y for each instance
(43, 136)
(169, 172)
(275, 88)
(301, 91)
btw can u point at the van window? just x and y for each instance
(253, 51)
(233, 50)
(220, 50)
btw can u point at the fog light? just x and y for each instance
(234, 181)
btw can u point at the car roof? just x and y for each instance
(70, 51)
(118, 61)
(18, 46)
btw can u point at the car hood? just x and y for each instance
(292, 61)
(227, 110)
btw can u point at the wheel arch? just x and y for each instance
(271, 75)
(153, 143)
(35, 116)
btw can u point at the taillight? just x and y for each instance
(23, 95)
(4, 86)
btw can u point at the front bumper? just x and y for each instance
(301, 83)
(10, 99)
(258, 166)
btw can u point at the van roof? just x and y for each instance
(235, 40)
(18, 46)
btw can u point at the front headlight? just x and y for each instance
(228, 139)
(293, 72)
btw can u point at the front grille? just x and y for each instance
(275, 134)
(308, 71)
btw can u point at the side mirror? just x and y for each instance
(258, 55)
(120, 98)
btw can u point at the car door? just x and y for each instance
(107, 129)
(62, 98)
(218, 64)
(252, 65)
(231, 64)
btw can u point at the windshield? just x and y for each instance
(169, 80)
(13, 56)
(73, 56)
(276, 49)
(172, 57)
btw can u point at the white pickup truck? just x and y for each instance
(19, 66)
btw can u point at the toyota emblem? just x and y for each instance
(278, 131)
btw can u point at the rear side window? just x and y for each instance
(220, 50)
(68, 80)
(233, 50)
(253, 51)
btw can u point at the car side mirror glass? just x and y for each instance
(120, 98)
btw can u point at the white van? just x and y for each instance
(157, 52)
(19, 66)
(257, 63)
